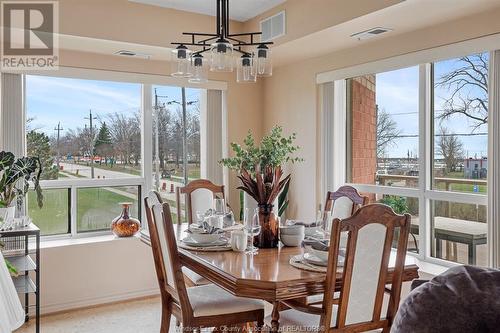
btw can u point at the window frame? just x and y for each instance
(424, 192)
(145, 180)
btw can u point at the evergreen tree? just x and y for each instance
(38, 145)
(104, 144)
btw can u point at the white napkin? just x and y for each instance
(11, 311)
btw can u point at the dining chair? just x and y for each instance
(357, 304)
(344, 202)
(199, 195)
(193, 278)
(194, 307)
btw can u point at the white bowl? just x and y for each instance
(205, 238)
(292, 240)
(311, 231)
(292, 230)
(322, 255)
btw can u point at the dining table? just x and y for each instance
(266, 275)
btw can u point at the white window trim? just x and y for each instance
(145, 180)
(424, 192)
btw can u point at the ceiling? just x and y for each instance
(404, 17)
(240, 10)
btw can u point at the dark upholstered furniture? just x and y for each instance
(462, 299)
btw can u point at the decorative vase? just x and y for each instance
(269, 224)
(8, 213)
(124, 225)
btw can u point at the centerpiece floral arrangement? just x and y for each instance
(261, 175)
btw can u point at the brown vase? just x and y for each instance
(124, 225)
(268, 221)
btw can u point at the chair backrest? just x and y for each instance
(165, 253)
(370, 232)
(344, 202)
(199, 195)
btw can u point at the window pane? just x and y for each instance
(459, 232)
(98, 206)
(402, 205)
(460, 124)
(383, 128)
(169, 138)
(54, 217)
(84, 128)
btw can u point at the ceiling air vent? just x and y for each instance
(127, 53)
(273, 27)
(370, 33)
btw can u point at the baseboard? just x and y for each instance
(87, 302)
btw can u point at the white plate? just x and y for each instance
(191, 242)
(312, 259)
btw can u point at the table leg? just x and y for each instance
(472, 254)
(439, 252)
(275, 318)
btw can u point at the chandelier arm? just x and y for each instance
(250, 44)
(235, 40)
(200, 34)
(191, 44)
(245, 34)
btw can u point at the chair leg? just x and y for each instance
(166, 313)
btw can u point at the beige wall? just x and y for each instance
(290, 95)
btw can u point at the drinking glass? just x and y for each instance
(253, 228)
(219, 206)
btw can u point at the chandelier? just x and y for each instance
(224, 51)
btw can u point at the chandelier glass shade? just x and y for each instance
(181, 61)
(221, 56)
(252, 57)
(246, 69)
(199, 69)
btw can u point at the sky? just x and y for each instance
(397, 94)
(50, 100)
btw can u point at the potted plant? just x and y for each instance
(261, 174)
(15, 178)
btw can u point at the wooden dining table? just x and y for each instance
(266, 275)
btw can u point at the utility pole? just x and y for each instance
(58, 129)
(90, 119)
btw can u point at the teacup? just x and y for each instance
(239, 240)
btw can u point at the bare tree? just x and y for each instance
(450, 148)
(387, 132)
(468, 87)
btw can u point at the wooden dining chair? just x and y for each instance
(192, 278)
(199, 195)
(344, 202)
(194, 307)
(357, 304)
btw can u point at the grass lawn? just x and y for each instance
(97, 207)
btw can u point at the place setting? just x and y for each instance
(314, 238)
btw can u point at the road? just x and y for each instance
(85, 172)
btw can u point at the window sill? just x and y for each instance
(68, 241)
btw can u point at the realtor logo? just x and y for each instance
(29, 35)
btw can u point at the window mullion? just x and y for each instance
(73, 212)
(425, 152)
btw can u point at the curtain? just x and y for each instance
(12, 118)
(212, 135)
